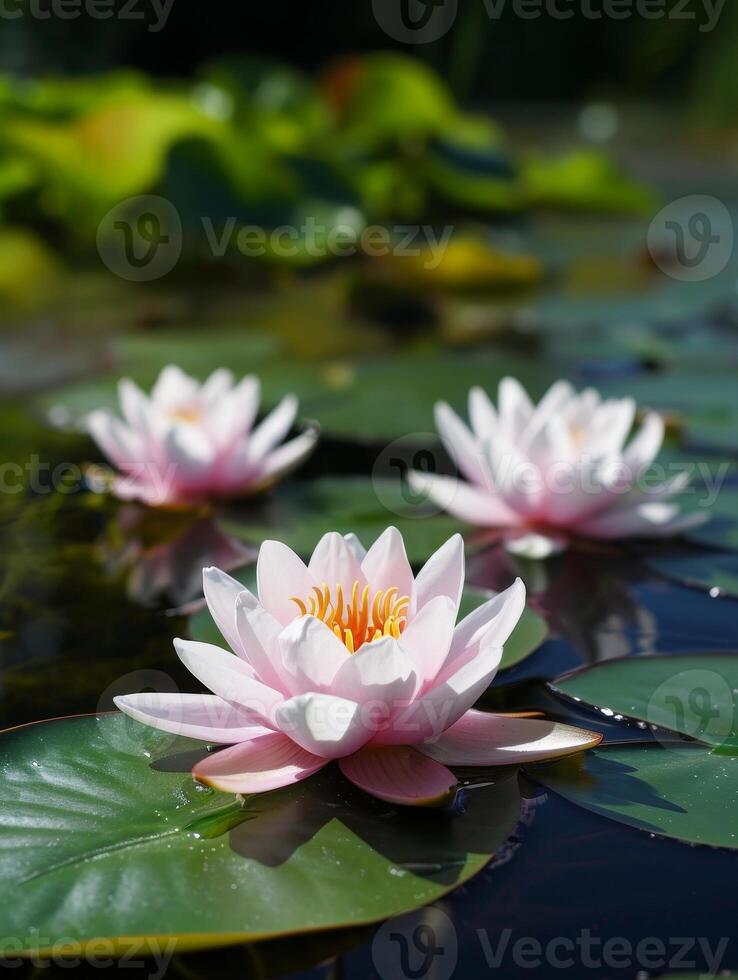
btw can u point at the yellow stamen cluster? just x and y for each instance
(192, 414)
(357, 620)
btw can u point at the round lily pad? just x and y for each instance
(104, 833)
(716, 572)
(686, 792)
(695, 695)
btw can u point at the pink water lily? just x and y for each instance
(561, 468)
(352, 658)
(188, 442)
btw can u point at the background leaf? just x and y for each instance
(684, 792)
(695, 695)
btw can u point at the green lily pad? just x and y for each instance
(341, 395)
(103, 833)
(721, 530)
(695, 695)
(716, 572)
(697, 399)
(527, 636)
(584, 179)
(300, 513)
(686, 792)
(410, 384)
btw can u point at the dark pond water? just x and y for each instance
(91, 597)
(74, 632)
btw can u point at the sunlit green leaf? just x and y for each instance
(695, 695)
(99, 806)
(684, 792)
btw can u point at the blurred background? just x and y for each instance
(374, 205)
(473, 116)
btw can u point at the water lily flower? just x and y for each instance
(564, 467)
(186, 442)
(352, 658)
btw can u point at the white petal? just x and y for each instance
(231, 416)
(645, 445)
(190, 451)
(518, 479)
(122, 446)
(221, 592)
(482, 414)
(358, 549)
(482, 739)
(288, 456)
(430, 715)
(273, 428)
(135, 405)
(257, 766)
(280, 575)
(554, 402)
(464, 449)
(610, 428)
(400, 775)
(257, 633)
(202, 716)
(443, 573)
(173, 387)
(514, 407)
(649, 520)
(217, 385)
(311, 654)
(229, 677)
(464, 500)
(381, 676)
(429, 634)
(492, 622)
(386, 566)
(334, 563)
(327, 726)
(536, 546)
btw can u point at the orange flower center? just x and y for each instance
(357, 620)
(190, 414)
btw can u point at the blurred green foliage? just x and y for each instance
(376, 138)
